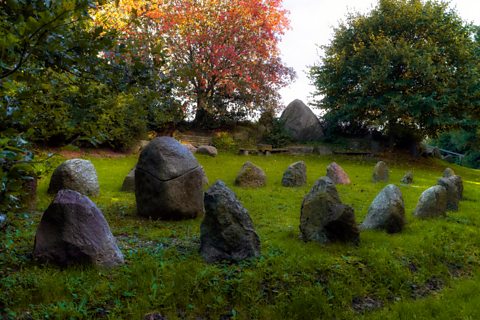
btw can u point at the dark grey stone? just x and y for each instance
(168, 181)
(74, 231)
(432, 203)
(301, 122)
(75, 174)
(387, 211)
(452, 193)
(295, 175)
(324, 218)
(227, 231)
(407, 178)
(129, 182)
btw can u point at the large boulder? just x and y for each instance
(128, 184)
(75, 174)
(295, 175)
(227, 231)
(73, 231)
(168, 181)
(380, 172)
(301, 122)
(208, 150)
(387, 211)
(251, 176)
(432, 203)
(452, 193)
(324, 218)
(337, 174)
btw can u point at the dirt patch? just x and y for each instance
(365, 304)
(430, 286)
(81, 153)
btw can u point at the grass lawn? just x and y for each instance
(422, 272)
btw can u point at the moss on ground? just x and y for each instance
(292, 280)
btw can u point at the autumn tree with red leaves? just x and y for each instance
(223, 54)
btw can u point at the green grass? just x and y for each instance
(291, 280)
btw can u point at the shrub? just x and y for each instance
(224, 141)
(276, 135)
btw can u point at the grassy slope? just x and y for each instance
(292, 279)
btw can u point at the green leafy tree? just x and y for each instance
(407, 68)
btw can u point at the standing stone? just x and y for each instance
(295, 175)
(337, 174)
(432, 203)
(380, 172)
(75, 174)
(301, 122)
(447, 173)
(74, 231)
(324, 218)
(452, 193)
(208, 150)
(129, 182)
(168, 181)
(387, 211)
(407, 178)
(457, 180)
(251, 176)
(227, 231)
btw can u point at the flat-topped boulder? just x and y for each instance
(324, 218)
(300, 121)
(168, 181)
(295, 175)
(337, 174)
(74, 231)
(251, 176)
(227, 231)
(432, 203)
(75, 174)
(387, 211)
(380, 172)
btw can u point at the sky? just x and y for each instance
(312, 23)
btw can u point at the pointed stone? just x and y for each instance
(432, 203)
(380, 172)
(74, 231)
(295, 175)
(75, 174)
(337, 174)
(251, 176)
(227, 231)
(387, 211)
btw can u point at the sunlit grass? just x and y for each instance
(292, 279)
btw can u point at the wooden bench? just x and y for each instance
(194, 140)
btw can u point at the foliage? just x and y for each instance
(276, 134)
(65, 81)
(466, 142)
(224, 54)
(407, 65)
(16, 170)
(223, 140)
(292, 279)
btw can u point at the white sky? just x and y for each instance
(312, 23)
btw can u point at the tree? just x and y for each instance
(407, 68)
(224, 53)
